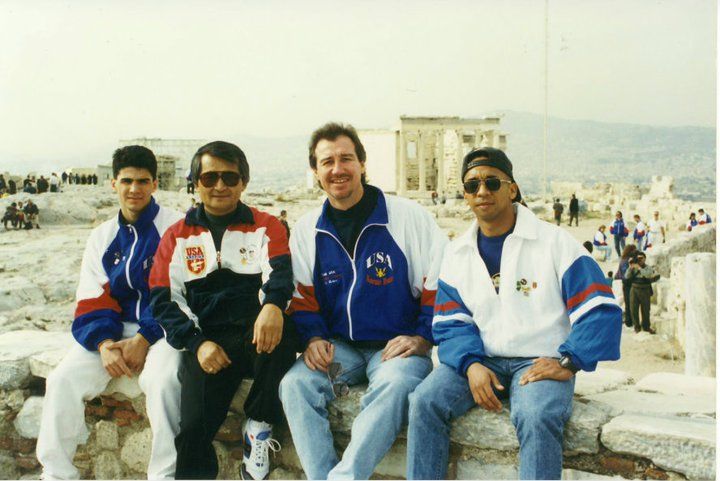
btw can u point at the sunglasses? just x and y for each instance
(339, 388)
(492, 183)
(210, 179)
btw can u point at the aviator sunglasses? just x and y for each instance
(339, 388)
(209, 179)
(492, 183)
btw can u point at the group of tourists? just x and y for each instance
(365, 287)
(573, 211)
(21, 216)
(701, 218)
(41, 185)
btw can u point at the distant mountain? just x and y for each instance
(590, 151)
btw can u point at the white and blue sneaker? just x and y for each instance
(257, 436)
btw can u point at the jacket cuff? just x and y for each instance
(197, 338)
(467, 362)
(276, 299)
(150, 335)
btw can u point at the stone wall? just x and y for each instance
(661, 427)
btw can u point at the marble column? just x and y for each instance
(420, 154)
(459, 149)
(700, 314)
(402, 168)
(478, 138)
(440, 143)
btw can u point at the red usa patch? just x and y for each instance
(195, 259)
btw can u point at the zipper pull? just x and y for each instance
(219, 260)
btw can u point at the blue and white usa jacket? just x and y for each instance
(386, 289)
(114, 275)
(553, 300)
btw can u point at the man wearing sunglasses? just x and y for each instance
(365, 267)
(221, 281)
(520, 308)
(116, 332)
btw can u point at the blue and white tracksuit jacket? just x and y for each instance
(114, 275)
(386, 289)
(553, 300)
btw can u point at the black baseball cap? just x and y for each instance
(491, 157)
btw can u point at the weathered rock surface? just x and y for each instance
(684, 445)
(16, 347)
(17, 291)
(600, 380)
(27, 422)
(673, 383)
(700, 314)
(633, 401)
(136, 450)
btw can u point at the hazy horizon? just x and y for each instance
(75, 77)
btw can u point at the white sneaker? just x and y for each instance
(258, 441)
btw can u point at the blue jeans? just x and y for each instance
(607, 250)
(305, 395)
(619, 244)
(538, 411)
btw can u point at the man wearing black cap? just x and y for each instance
(520, 308)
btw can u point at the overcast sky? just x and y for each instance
(77, 76)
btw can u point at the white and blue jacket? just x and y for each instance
(385, 288)
(552, 301)
(114, 275)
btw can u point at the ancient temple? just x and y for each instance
(424, 154)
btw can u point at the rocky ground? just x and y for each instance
(40, 268)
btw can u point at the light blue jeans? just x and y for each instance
(607, 250)
(538, 410)
(384, 406)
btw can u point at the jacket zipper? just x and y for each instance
(352, 264)
(127, 271)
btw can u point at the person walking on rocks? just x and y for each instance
(640, 233)
(656, 230)
(641, 277)
(520, 308)
(365, 266)
(557, 211)
(115, 330)
(220, 283)
(619, 232)
(574, 210)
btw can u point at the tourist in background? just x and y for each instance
(54, 183)
(574, 210)
(692, 222)
(557, 211)
(656, 230)
(12, 187)
(64, 177)
(641, 276)
(284, 222)
(600, 243)
(10, 216)
(42, 185)
(627, 253)
(3, 184)
(31, 215)
(519, 329)
(619, 232)
(639, 233)
(703, 217)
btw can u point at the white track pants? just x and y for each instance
(80, 376)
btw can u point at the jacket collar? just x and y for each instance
(146, 216)
(526, 227)
(379, 214)
(242, 215)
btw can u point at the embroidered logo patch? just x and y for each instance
(525, 287)
(247, 254)
(195, 259)
(379, 269)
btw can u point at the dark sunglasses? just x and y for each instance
(339, 388)
(493, 184)
(210, 179)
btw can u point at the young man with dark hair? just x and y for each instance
(221, 281)
(114, 327)
(365, 267)
(521, 307)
